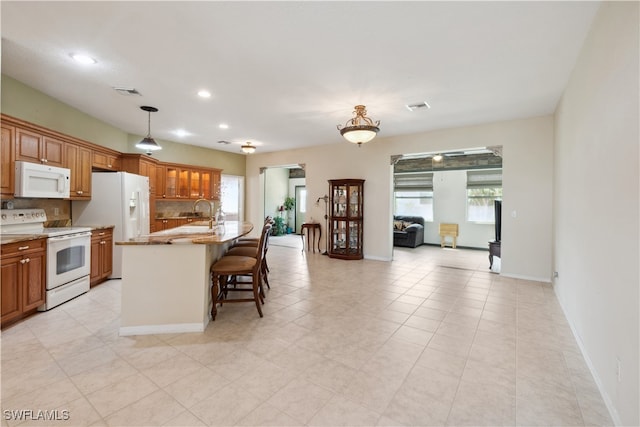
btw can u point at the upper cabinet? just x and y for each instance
(104, 160)
(188, 182)
(7, 159)
(37, 148)
(78, 160)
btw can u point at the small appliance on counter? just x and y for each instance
(120, 199)
(68, 253)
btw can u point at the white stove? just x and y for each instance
(68, 253)
(31, 221)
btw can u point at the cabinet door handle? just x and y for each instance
(22, 248)
(79, 192)
(101, 234)
(28, 259)
(22, 261)
(109, 166)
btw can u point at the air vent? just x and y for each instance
(127, 91)
(224, 142)
(419, 106)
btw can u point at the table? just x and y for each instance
(311, 228)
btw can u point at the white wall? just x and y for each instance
(527, 184)
(275, 191)
(450, 206)
(596, 205)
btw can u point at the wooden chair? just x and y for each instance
(225, 272)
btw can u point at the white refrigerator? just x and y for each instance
(120, 199)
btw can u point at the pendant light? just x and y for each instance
(147, 142)
(248, 148)
(359, 129)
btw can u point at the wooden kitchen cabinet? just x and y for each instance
(101, 255)
(35, 147)
(105, 161)
(78, 159)
(7, 160)
(166, 223)
(23, 275)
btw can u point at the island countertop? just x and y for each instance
(194, 233)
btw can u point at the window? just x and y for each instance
(413, 194)
(483, 189)
(414, 203)
(232, 196)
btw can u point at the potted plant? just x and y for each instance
(279, 227)
(289, 203)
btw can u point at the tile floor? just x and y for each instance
(431, 338)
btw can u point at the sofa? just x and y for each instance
(408, 231)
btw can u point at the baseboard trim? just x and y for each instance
(613, 413)
(523, 277)
(377, 258)
(162, 329)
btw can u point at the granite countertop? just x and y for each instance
(13, 238)
(194, 234)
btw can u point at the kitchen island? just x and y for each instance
(165, 277)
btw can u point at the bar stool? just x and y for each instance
(225, 272)
(253, 252)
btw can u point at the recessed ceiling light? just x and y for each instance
(223, 126)
(181, 133)
(83, 59)
(204, 94)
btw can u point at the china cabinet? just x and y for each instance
(345, 218)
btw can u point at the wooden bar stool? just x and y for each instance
(224, 277)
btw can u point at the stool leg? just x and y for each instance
(214, 295)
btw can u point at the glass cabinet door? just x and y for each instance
(346, 218)
(339, 204)
(171, 182)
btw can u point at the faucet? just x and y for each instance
(195, 205)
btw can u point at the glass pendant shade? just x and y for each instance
(360, 129)
(147, 142)
(248, 148)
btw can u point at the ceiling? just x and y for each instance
(283, 74)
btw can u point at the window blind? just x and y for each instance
(413, 181)
(484, 178)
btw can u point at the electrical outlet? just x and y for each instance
(618, 369)
(555, 274)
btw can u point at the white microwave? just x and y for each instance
(41, 181)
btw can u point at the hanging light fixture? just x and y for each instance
(248, 148)
(147, 142)
(359, 129)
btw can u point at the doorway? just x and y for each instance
(301, 207)
(280, 183)
(451, 187)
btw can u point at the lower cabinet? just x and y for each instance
(101, 255)
(165, 224)
(23, 278)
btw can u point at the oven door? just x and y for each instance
(68, 258)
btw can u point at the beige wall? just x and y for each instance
(26, 103)
(596, 202)
(527, 144)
